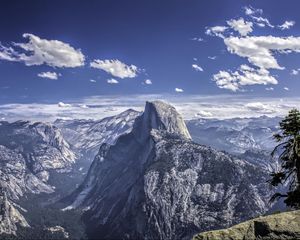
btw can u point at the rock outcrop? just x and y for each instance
(277, 226)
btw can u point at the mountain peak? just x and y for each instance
(160, 115)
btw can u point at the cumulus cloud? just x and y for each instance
(112, 81)
(178, 90)
(259, 50)
(241, 26)
(38, 51)
(116, 68)
(216, 31)
(50, 75)
(64, 105)
(148, 82)
(197, 68)
(244, 76)
(287, 25)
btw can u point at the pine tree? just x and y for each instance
(289, 156)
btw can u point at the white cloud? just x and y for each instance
(38, 51)
(212, 57)
(243, 77)
(112, 81)
(216, 31)
(92, 80)
(255, 14)
(287, 25)
(197, 68)
(241, 26)
(270, 89)
(226, 80)
(50, 75)
(116, 68)
(178, 90)
(148, 82)
(286, 89)
(258, 50)
(203, 113)
(198, 39)
(84, 106)
(295, 72)
(252, 11)
(260, 107)
(262, 22)
(64, 105)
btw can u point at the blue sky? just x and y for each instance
(69, 51)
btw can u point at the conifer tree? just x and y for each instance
(288, 150)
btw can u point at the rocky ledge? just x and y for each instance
(277, 226)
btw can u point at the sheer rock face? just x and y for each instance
(163, 117)
(278, 226)
(86, 136)
(154, 183)
(10, 216)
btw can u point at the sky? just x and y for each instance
(89, 59)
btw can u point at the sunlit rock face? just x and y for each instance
(86, 136)
(155, 183)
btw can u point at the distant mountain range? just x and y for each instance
(235, 135)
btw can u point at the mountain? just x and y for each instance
(29, 154)
(41, 144)
(155, 183)
(86, 136)
(284, 225)
(10, 216)
(235, 135)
